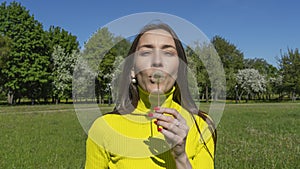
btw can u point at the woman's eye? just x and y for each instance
(169, 53)
(145, 53)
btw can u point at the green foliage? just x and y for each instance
(5, 49)
(26, 70)
(207, 67)
(232, 59)
(196, 65)
(261, 65)
(108, 67)
(289, 67)
(27, 67)
(97, 47)
(102, 52)
(83, 80)
(61, 37)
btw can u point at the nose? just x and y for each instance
(157, 59)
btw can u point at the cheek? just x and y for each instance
(172, 67)
(140, 75)
(141, 64)
(142, 78)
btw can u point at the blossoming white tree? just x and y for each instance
(63, 66)
(250, 82)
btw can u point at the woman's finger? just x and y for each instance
(175, 129)
(172, 138)
(170, 111)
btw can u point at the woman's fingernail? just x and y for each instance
(155, 122)
(150, 114)
(159, 129)
(156, 108)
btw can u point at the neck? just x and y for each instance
(151, 100)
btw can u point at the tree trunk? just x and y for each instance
(206, 93)
(216, 96)
(294, 96)
(97, 99)
(10, 97)
(53, 99)
(247, 98)
(45, 100)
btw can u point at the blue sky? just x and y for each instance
(259, 28)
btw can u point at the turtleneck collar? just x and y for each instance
(149, 100)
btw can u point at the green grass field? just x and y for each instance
(250, 136)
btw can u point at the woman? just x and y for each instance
(155, 123)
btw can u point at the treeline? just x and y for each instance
(27, 66)
(40, 65)
(251, 78)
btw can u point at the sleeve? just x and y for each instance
(204, 147)
(204, 158)
(96, 156)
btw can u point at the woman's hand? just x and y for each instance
(173, 127)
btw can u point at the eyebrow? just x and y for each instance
(151, 46)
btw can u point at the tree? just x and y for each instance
(267, 70)
(261, 65)
(97, 47)
(250, 82)
(198, 69)
(107, 69)
(276, 85)
(83, 81)
(100, 53)
(289, 64)
(63, 67)
(232, 59)
(5, 49)
(208, 69)
(26, 70)
(59, 36)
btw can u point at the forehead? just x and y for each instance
(157, 34)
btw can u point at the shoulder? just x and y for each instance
(101, 130)
(101, 123)
(106, 117)
(205, 126)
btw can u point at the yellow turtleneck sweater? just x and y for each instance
(132, 141)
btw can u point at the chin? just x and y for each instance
(156, 91)
(152, 88)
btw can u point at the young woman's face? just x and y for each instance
(156, 61)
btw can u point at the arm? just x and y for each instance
(182, 162)
(175, 130)
(202, 158)
(96, 156)
(203, 154)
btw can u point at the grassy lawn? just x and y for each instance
(249, 136)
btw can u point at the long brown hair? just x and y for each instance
(128, 93)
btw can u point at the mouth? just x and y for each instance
(157, 77)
